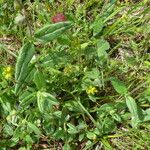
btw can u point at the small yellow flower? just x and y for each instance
(91, 90)
(8, 76)
(68, 69)
(8, 69)
(7, 72)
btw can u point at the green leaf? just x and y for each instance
(107, 107)
(97, 26)
(72, 129)
(81, 137)
(102, 46)
(22, 148)
(147, 115)
(59, 134)
(29, 139)
(40, 101)
(45, 101)
(93, 74)
(108, 125)
(27, 100)
(25, 55)
(2, 148)
(73, 106)
(106, 144)
(64, 40)
(89, 144)
(132, 106)
(117, 117)
(119, 86)
(8, 129)
(49, 28)
(39, 80)
(67, 147)
(91, 135)
(34, 128)
(52, 31)
(13, 141)
(27, 78)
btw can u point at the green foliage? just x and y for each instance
(45, 101)
(21, 72)
(102, 46)
(78, 84)
(118, 86)
(52, 31)
(39, 80)
(131, 104)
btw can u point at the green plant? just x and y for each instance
(76, 84)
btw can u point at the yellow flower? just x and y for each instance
(68, 69)
(7, 72)
(8, 76)
(91, 90)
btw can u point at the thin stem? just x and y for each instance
(84, 109)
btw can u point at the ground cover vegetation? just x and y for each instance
(75, 74)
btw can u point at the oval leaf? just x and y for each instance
(119, 86)
(102, 46)
(45, 101)
(132, 106)
(39, 80)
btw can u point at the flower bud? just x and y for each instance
(60, 17)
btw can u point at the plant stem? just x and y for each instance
(88, 114)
